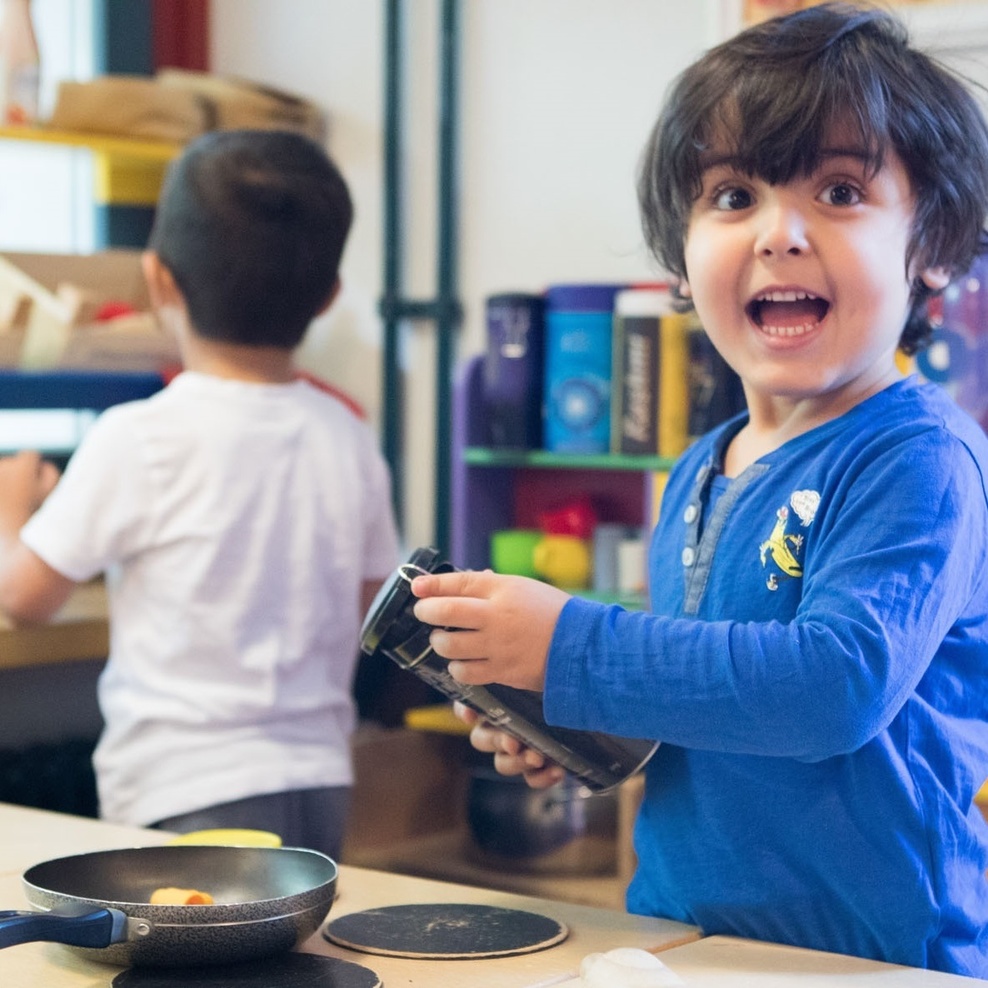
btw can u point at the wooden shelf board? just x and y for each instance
(79, 632)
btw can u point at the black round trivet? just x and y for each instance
(285, 971)
(445, 931)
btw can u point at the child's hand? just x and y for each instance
(511, 757)
(25, 481)
(503, 625)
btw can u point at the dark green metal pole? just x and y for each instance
(449, 315)
(444, 309)
(392, 424)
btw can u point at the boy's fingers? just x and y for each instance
(542, 778)
(463, 583)
(470, 672)
(458, 644)
(451, 612)
(467, 714)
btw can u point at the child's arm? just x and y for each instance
(30, 590)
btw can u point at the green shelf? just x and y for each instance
(629, 601)
(482, 456)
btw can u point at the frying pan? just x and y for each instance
(267, 900)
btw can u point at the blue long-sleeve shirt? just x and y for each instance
(816, 668)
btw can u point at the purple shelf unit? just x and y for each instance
(486, 498)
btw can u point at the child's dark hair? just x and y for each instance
(252, 225)
(780, 88)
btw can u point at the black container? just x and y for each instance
(599, 761)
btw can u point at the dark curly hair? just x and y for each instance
(779, 88)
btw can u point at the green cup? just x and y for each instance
(513, 550)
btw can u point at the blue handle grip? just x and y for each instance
(99, 928)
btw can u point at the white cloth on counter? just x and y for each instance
(626, 967)
(622, 967)
(236, 523)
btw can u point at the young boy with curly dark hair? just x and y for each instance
(815, 662)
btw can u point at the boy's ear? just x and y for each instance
(162, 288)
(936, 278)
(333, 292)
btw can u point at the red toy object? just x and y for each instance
(576, 517)
(111, 310)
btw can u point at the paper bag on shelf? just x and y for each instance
(131, 106)
(242, 104)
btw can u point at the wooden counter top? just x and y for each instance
(31, 836)
(78, 631)
(732, 962)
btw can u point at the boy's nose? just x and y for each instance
(781, 231)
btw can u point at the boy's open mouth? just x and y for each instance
(787, 313)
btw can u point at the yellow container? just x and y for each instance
(230, 836)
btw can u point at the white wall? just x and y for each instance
(557, 97)
(46, 191)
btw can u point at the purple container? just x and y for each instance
(512, 380)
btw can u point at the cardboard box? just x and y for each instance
(50, 309)
(408, 784)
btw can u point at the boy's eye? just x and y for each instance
(841, 194)
(732, 198)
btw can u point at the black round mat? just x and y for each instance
(445, 931)
(285, 971)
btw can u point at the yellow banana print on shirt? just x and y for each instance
(782, 547)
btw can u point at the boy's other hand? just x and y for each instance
(25, 481)
(511, 757)
(501, 625)
(30, 590)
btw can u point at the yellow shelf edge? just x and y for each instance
(128, 171)
(107, 144)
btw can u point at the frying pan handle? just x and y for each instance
(99, 928)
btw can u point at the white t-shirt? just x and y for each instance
(235, 523)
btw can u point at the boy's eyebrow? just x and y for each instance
(711, 160)
(863, 155)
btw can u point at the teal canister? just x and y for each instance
(577, 382)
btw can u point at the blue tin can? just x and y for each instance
(577, 390)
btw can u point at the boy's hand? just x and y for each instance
(511, 757)
(30, 590)
(503, 625)
(25, 481)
